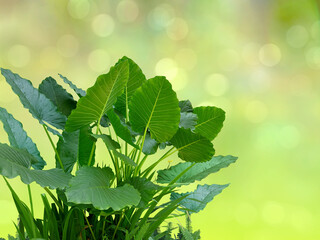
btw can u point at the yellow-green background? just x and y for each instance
(259, 60)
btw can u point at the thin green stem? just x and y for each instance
(54, 198)
(138, 168)
(89, 226)
(53, 146)
(94, 145)
(115, 231)
(30, 199)
(143, 139)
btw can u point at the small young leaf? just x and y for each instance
(188, 120)
(185, 106)
(155, 106)
(18, 137)
(150, 145)
(37, 103)
(197, 200)
(192, 147)
(91, 185)
(210, 121)
(100, 98)
(80, 92)
(58, 95)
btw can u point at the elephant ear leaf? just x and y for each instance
(58, 95)
(99, 98)
(192, 147)
(197, 200)
(16, 162)
(91, 185)
(135, 80)
(80, 92)
(18, 137)
(210, 121)
(37, 103)
(155, 106)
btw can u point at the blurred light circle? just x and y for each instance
(245, 214)
(256, 111)
(269, 55)
(103, 25)
(228, 60)
(68, 45)
(78, 9)
(217, 84)
(18, 55)
(259, 80)
(166, 67)
(50, 58)
(301, 219)
(6, 93)
(161, 16)
(178, 29)
(250, 53)
(273, 213)
(99, 60)
(186, 58)
(127, 11)
(289, 137)
(313, 57)
(297, 36)
(180, 80)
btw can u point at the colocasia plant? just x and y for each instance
(125, 196)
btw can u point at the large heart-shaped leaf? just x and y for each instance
(58, 95)
(155, 106)
(80, 92)
(91, 185)
(197, 172)
(16, 162)
(135, 80)
(37, 103)
(210, 121)
(192, 147)
(18, 137)
(197, 200)
(99, 98)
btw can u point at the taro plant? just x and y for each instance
(123, 197)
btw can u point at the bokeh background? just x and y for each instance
(259, 60)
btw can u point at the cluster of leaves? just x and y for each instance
(125, 198)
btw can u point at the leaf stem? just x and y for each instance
(53, 146)
(89, 226)
(30, 199)
(115, 231)
(54, 198)
(94, 144)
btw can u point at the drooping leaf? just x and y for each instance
(58, 95)
(188, 120)
(91, 185)
(37, 103)
(113, 146)
(197, 172)
(100, 98)
(197, 200)
(86, 143)
(185, 106)
(16, 162)
(18, 137)
(155, 106)
(80, 92)
(210, 121)
(192, 147)
(150, 145)
(120, 128)
(135, 80)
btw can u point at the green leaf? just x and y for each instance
(192, 147)
(37, 103)
(18, 137)
(150, 145)
(186, 234)
(91, 185)
(100, 98)
(188, 120)
(16, 162)
(197, 200)
(155, 106)
(113, 146)
(58, 95)
(197, 172)
(120, 128)
(185, 106)
(86, 143)
(135, 80)
(210, 121)
(80, 92)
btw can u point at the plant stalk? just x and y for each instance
(30, 199)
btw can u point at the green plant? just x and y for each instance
(126, 197)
